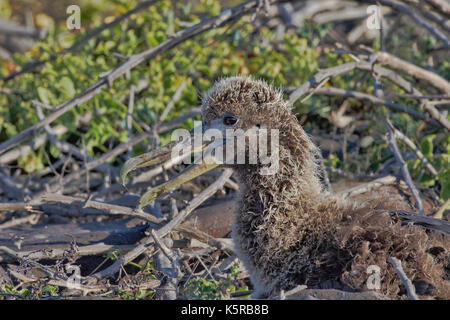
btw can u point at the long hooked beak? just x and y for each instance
(161, 155)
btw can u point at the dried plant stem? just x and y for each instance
(193, 204)
(391, 139)
(410, 289)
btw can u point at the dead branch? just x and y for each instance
(193, 204)
(162, 246)
(66, 147)
(366, 187)
(57, 253)
(24, 150)
(13, 30)
(318, 78)
(413, 70)
(312, 86)
(107, 208)
(218, 243)
(442, 5)
(333, 294)
(402, 7)
(399, 135)
(332, 91)
(390, 75)
(440, 225)
(60, 283)
(166, 261)
(31, 219)
(391, 139)
(410, 289)
(172, 101)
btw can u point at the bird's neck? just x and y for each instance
(292, 190)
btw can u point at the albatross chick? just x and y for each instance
(289, 231)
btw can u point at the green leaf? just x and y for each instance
(427, 180)
(52, 290)
(44, 95)
(444, 178)
(67, 87)
(426, 146)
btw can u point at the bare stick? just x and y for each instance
(60, 283)
(57, 253)
(366, 187)
(193, 204)
(404, 84)
(162, 246)
(172, 102)
(410, 289)
(440, 225)
(399, 6)
(33, 263)
(399, 135)
(24, 150)
(318, 78)
(31, 219)
(331, 91)
(66, 147)
(442, 5)
(413, 70)
(205, 238)
(391, 139)
(108, 208)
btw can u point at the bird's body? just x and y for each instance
(289, 231)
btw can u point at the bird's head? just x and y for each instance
(244, 103)
(246, 125)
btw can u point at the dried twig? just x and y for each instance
(206, 238)
(410, 289)
(440, 225)
(399, 135)
(442, 5)
(172, 102)
(413, 70)
(391, 139)
(60, 283)
(24, 150)
(331, 91)
(161, 245)
(366, 187)
(57, 253)
(31, 219)
(193, 204)
(402, 7)
(108, 208)
(318, 78)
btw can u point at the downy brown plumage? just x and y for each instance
(289, 231)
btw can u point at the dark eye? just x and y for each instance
(229, 120)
